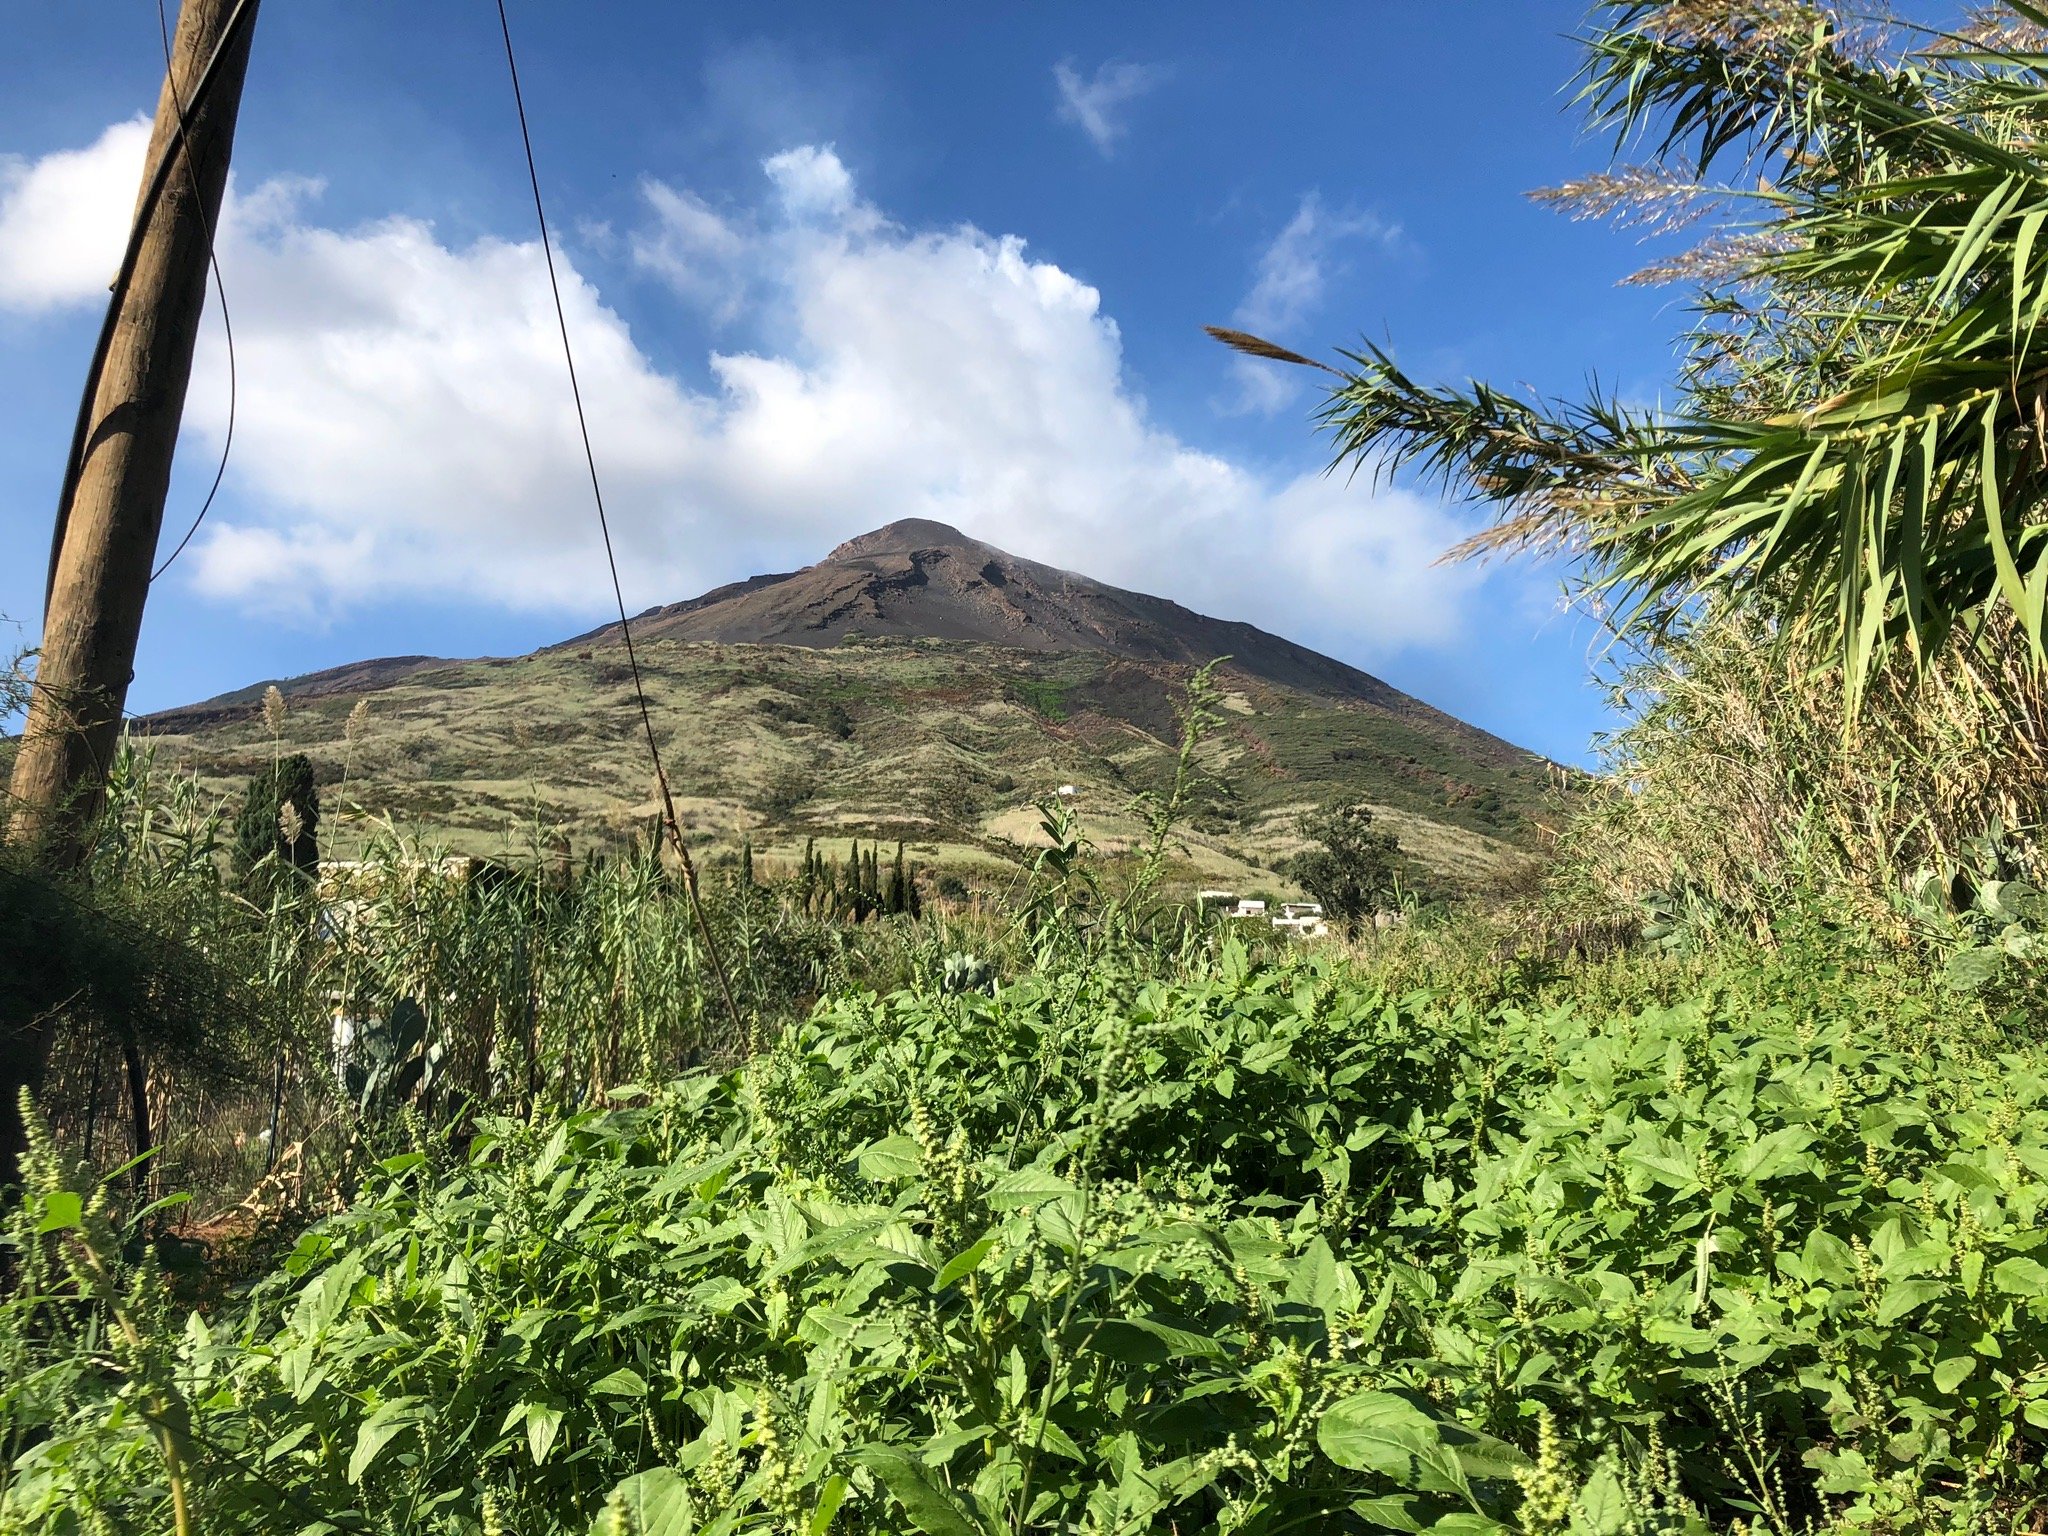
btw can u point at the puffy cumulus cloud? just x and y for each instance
(816, 185)
(64, 218)
(1289, 282)
(1095, 103)
(405, 426)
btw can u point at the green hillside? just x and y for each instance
(944, 743)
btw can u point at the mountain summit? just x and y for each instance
(922, 579)
(916, 683)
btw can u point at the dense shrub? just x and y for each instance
(1269, 1247)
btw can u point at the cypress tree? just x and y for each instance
(899, 884)
(262, 825)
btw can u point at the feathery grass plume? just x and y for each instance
(290, 824)
(353, 730)
(1999, 28)
(1258, 346)
(273, 711)
(1657, 199)
(1739, 260)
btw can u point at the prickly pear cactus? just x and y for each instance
(388, 1061)
(966, 973)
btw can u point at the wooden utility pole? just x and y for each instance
(113, 501)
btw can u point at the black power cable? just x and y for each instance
(668, 804)
(163, 27)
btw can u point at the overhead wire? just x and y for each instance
(227, 325)
(145, 215)
(670, 823)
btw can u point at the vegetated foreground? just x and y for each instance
(1654, 1245)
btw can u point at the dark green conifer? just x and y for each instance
(261, 827)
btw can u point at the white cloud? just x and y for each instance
(405, 426)
(1095, 104)
(64, 218)
(1289, 283)
(815, 184)
(694, 249)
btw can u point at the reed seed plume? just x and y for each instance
(1724, 259)
(2000, 29)
(1655, 199)
(1258, 346)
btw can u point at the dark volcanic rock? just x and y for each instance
(917, 578)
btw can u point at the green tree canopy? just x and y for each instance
(1355, 871)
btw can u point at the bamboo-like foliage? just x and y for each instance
(535, 985)
(1733, 789)
(1861, 441)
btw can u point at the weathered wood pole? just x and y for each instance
(113, 503)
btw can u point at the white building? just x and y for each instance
(1308, 926)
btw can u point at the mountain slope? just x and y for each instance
(914, 683)
(923, 579)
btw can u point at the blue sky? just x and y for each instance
(832, 266)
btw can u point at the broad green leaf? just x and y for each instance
(1904, 1296)
(931, 1506)
(543, 1422)
(1141, 1340)
(1398, 1512)
(62, 1211)
(1829, 1258)
(1379, 1432)
(963, 1263)
(1951, 1372)
(656, 1502)
(1027, 1186)
(387, 1421)
(893, 1157)
(2021, 1277)
(1315, 1281)
(830, 1497)
(1604, 1506)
